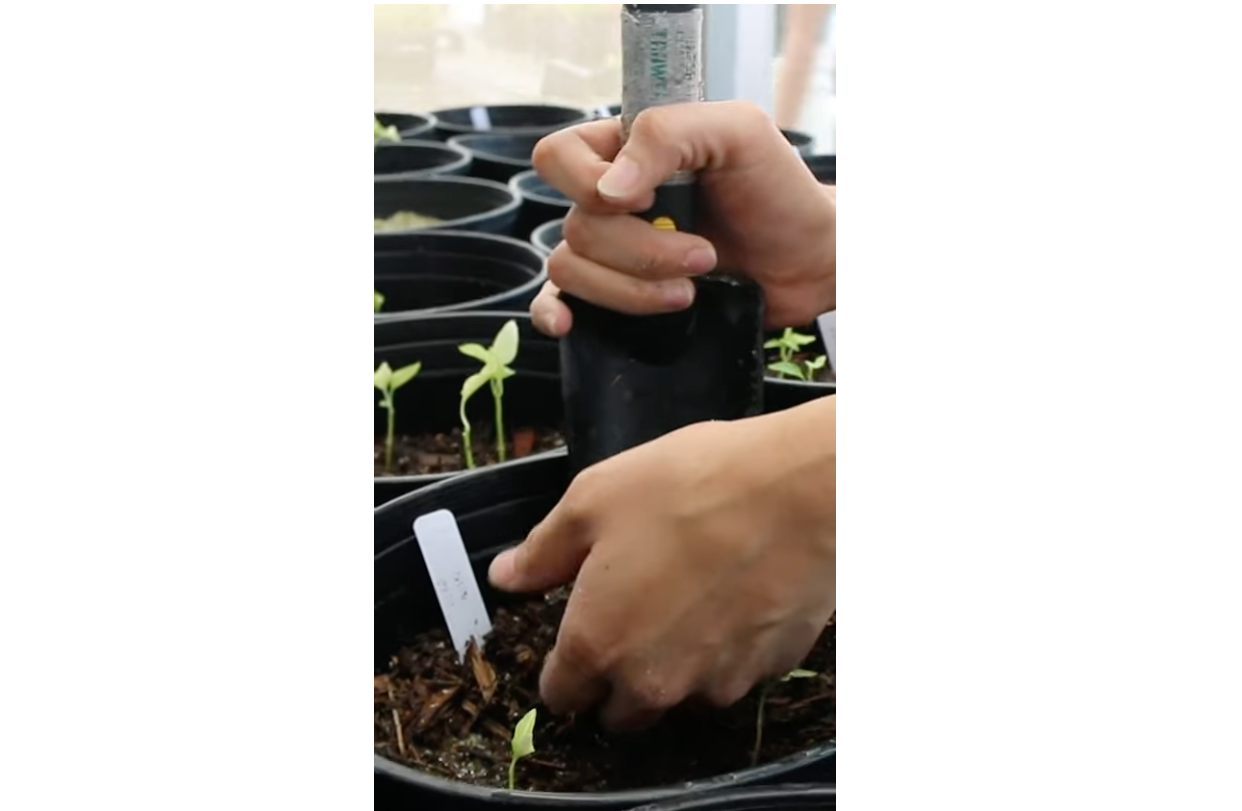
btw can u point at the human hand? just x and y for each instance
(761, 212)
(705, 561)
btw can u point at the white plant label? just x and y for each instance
(456, 588)
(479, 119)
(828, 332)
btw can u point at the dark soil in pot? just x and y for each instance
(811, 797)
(547, 236)
(801, 141)
(824, 167)
(411, 159)
(540, 202)
(444, 203)
(495, 508)
(427, 427)
(533, 118)
(498, 155)
(410, 126)
(444, 271)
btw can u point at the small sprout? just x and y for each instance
(388, 381)
(495, 359)
(379, 301)
(383, 133)
(523, 743)
(763, 698)
(788, 345)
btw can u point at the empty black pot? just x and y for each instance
(411, 159)
(446, 271)
(547, 236)
(534, 118)
(500, 155)
(812, 797)
(824, 167)
(540, 202)
(495, 508)
(429, 403)
(460, 203)
(410, 126)
(801, 141)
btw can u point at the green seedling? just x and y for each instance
(788, 345)
(523, 743)
(496, 370)
(379, 301)
(763, 698)
(388, 381)
(383, 133)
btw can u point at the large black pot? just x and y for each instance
(410, 126)
(498, 155)
(547, 236)
(445, 271)
(412, 159)
(824, 167)
(540, 202)
(812, 797)
(462, 203)
(534, 118)
(495, 508)
(430, 401)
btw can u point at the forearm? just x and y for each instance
(803, 26)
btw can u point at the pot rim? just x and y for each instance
(509, 207)
(515, 185)
(462, 161)
(460, 129)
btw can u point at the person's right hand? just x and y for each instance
(761, 212)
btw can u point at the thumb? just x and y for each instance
(668, 139)
(550, 556)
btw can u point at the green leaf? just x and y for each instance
(405, 374)
(524, 736)
(789, 368)
(799, 674)
(817, 363)
(472, 384)
(476, 351)
(382, 376)
(383, 133)
(798, 339)
(775, 343)
(505, 373)
(379, 301)
(505, 347)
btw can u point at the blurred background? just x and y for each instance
(431, 56)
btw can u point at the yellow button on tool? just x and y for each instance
(664, 224)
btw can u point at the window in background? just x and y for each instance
(433, 56)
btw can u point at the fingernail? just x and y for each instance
(503, 571)
(677, 293)
(621, 180)
(701, 260)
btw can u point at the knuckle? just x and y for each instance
(583, 652)
(560, 267)
(544, 156)
(652, 695)
(727, 693)
(574, 229)
(650, 124)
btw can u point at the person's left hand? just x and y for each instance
(705, 562)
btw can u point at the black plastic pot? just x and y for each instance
(410, 126)
(547, 236)
(495, 508)
(540, 202)
(411, 159)
(498, 156)
(454, 271)
(462, 203)
(824, 167)
(803, 142)
(608, 111)
(533, 118)
(812, 797)
(430, 401)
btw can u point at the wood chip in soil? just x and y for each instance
(424, 454)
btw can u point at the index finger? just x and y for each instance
(573, 160)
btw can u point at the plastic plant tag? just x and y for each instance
(828, 333)
(479, 119)
(461, 602)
